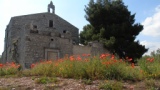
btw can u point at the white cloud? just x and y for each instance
(152, 24)
(158, 8)
(151, 31)
(153, 46)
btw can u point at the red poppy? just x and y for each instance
(32, 65)
(132, 65)
(130, 59)
(1, 65)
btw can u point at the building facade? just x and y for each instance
(42, 36)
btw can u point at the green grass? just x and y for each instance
(9, 69)
(45, 80)
(111, 85)
(150, 66)
(87, 81)
(90, 68)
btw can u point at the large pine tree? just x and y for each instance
(113, 24)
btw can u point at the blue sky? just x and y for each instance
(147, 13)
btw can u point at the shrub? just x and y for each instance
(8, 69)
(112, 85)
(87, 81)
(150, 66)
(45, 80)
(104, 67)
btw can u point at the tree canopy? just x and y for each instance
(113, 24)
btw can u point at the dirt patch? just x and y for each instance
(28, 83)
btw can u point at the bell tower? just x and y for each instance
(51, 6)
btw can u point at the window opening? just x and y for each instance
(50, 23)
(52, 39)
(35, 26)
(64, 31)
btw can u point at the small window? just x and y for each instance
(35, 26)
(50, 23)
(64, 31)
(52, 39)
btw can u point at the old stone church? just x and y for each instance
(43, 36)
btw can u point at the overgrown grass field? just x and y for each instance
(103, 67)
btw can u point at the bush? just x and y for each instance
(111, 85)
(9, 69)
(150, 66)
(104, 67)
(45, 80)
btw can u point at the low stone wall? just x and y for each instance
(79, 50)
(94, 50)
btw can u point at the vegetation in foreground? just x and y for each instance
(111, 23)
(88, 68)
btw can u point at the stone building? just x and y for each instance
(42, 36)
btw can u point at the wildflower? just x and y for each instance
(13, 65)
(71, 58)
(121, 60)
(150, 59)
(102, 56)
(112, 57)
(32, 65)
(132, 65)
(130, 59)
(107, 63)
(115, 61)
(84, 55)
(86, 60)
(18, 66)
(56, 64)
(1, 65)
(127, 58)
(79, 58)
(60, 60)
(49, 62)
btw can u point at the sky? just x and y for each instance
(147, 14)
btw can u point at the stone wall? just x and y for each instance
(41, 22)
(43, 36)
(80, 50)
(28, 37)
(95, 48)
(38, 44)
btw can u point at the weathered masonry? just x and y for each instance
(43, 36)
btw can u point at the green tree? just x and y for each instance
(113, 24)
(155, 53)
